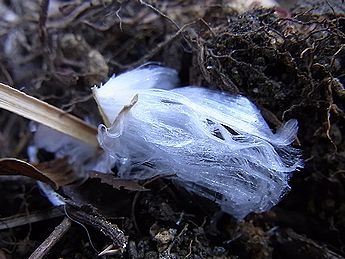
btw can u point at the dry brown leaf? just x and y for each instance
(116, 182)
(15, 167)
(34, 109)
(56, 173)
(60, 172)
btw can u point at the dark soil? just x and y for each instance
(291, 65)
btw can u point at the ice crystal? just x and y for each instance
(217, 145)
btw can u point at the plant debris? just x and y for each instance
(15, 167)
(116, 182)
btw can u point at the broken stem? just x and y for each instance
(34, 109)
(37, 216)
(53, 238)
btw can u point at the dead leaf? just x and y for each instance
(116, 182)
(60, 172)
(14, 167)
(56, 172)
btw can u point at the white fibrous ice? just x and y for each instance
(81, 156)
(127, 85)
(62, 145)
(215, 144)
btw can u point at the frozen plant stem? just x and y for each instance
(34, 109)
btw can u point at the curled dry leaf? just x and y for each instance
(60, 172)
(116, 182)
(56, 173)
(15, 167)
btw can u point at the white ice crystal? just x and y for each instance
(62, 145)
(127, 85)
(217, 145)
(81, 156)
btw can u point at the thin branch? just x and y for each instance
(20, 220)
(53, 238)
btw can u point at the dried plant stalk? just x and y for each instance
(34, 109)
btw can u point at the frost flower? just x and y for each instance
(217, 145)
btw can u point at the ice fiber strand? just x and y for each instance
(128, 84)
(218, 145)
